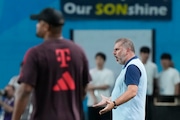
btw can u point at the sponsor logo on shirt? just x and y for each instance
(66, 82)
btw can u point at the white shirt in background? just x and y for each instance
(152, 73)
(167, 81)
(101, 77)
(14, 81)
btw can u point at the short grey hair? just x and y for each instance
(126, 43)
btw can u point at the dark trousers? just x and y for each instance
(93, 114)
(149, 107)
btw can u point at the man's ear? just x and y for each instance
(128, 50)
(46, 27)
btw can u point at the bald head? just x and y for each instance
(127, 43)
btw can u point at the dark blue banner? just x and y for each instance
(117, 9)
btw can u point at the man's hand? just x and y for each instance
(109, 107)
(103, 102)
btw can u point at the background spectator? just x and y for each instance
(169, 77)
(8, 102)
(151, 69)
(101, 84)
(14, 81)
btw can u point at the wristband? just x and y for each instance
(115, 105)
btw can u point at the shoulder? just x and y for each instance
(136, 63)
(173, 70)
(71, 43)
(108, 71)
(31, 53)
(92, 70)
(152, 64)
(31, 50)
(133, 67)
(34, 49)
(74, 46)
(14, 78)
(132, 75)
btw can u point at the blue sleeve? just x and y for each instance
(132, 75)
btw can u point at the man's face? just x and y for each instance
(41, 28)
(166, 63)
(120, 53)
(144, 56)
(99, 62)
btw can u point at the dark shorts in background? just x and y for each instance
(93, 114)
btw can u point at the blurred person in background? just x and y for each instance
(0, 112)
(151, 70)
(101, 84)
(14, 81)
(152, 75)
(169, 78)
(7, 103)
(56, 72)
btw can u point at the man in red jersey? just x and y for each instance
(56, 71)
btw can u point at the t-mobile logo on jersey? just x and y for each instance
(63, 56)
(66, 82)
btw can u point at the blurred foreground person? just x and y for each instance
(7, 103)
(56, 71)
(129, 93)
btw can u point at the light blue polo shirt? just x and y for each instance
(133, 73)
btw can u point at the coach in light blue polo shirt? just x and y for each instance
(129, 93)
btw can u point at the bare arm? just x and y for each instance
(6, 107)
(177, 89)
(93, 96)
(128, 95)
(100, 87)
(21, 100)
(90, 89)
